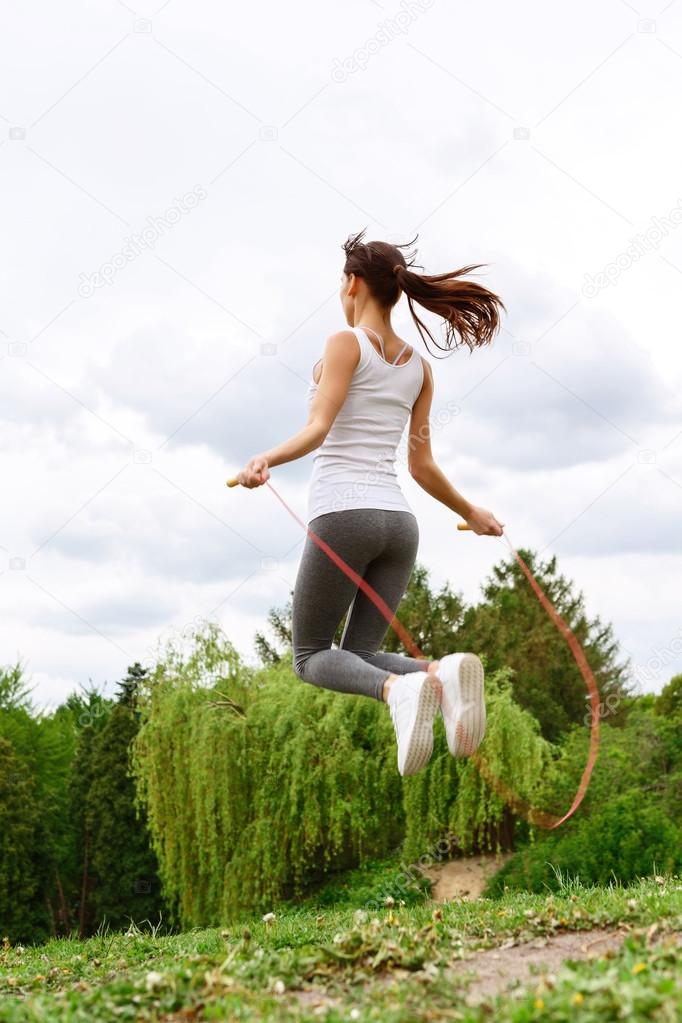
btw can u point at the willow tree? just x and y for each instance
(256, 785)
(467, 798)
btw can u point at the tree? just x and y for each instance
(23, 908)
(45, 744)
(13, 689)
(510, 627)
(122, 873)
(669, 703)
(429, 617)
(130, 686)
(279, 620)
(66, 818)
(91, 712)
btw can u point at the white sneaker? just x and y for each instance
(463, 702)
(413, 700)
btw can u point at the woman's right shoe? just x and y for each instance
(414, 700)
(463, 702)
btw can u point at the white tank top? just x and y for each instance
(354, 467)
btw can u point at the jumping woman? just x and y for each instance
(367, 385)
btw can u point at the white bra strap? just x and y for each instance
(399, 354)
(381, 340)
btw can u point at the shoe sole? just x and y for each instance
(462, 678)
(420, 746)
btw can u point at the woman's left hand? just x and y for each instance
(255, 473)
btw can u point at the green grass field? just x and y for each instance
(330, 959)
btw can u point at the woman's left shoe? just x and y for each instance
(463, 702)
(414, 701)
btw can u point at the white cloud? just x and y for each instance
(111, 118)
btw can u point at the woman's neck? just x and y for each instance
(381, 327)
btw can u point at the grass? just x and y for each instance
(401, 963)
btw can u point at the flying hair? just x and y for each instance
(470, 311)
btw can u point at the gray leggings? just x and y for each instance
(381, 546)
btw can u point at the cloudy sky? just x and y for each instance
(177, 180)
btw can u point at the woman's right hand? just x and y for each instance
(483, 522)
(255, 473)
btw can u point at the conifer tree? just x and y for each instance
(510, 628)
(122, 866)
(23, 877)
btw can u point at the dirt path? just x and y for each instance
(493, 970)
(497, 968)
(464, 878)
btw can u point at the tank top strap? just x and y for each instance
(365, 345)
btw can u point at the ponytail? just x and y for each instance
(470, 311)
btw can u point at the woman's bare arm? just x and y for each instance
(341, 356)
(429, 476)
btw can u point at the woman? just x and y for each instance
(368, 384)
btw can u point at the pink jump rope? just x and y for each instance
(521, 807)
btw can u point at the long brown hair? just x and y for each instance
(470, 311)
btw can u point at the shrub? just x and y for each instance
(625, 840)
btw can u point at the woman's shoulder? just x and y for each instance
(428, 372)
(343, 339)
(343, 336)
(345, 345)
(425, 377)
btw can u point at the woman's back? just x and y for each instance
(355, 465)
(363, 535)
